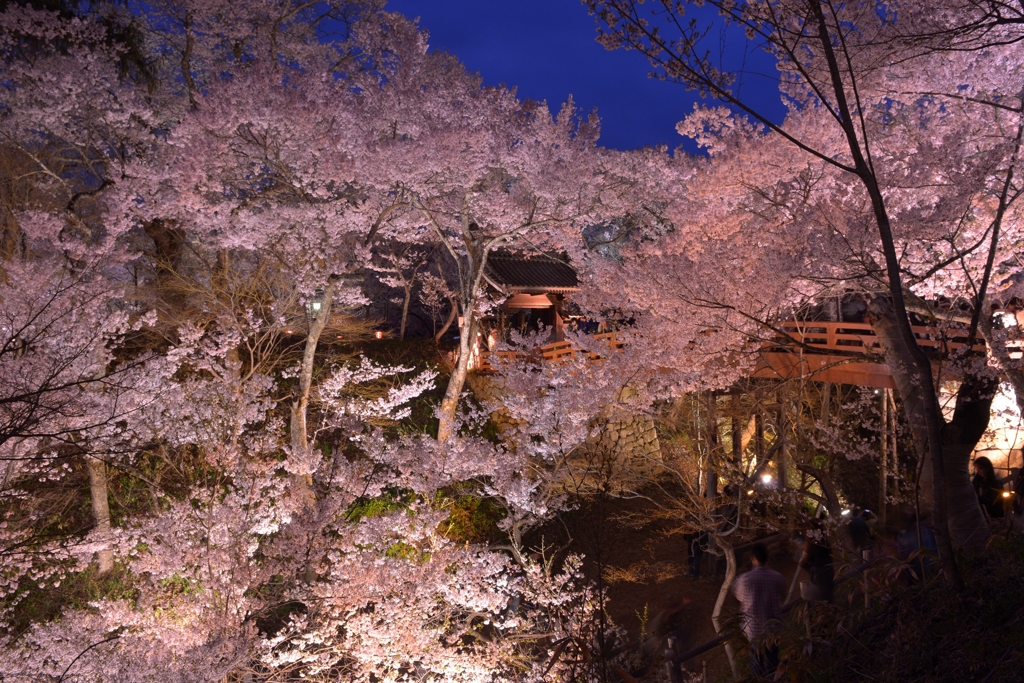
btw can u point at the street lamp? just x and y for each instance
(315, 305)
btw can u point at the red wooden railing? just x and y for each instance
(549, 353)
(860, 338)
(845, 338)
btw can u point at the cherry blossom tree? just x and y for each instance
(69, 125)
(400, 268)
(273, 537)
(850, 86)
(489, 172)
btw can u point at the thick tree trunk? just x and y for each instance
(915, 391)
(450, 402)
(101, 512)
(967, 524)
(946, 454)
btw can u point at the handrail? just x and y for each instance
(712, 644)
(861, 337)
(846, 337)
(548, 353)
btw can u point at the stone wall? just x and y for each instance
(630, 437)
(623, 437)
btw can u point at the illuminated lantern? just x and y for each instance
(315, 305)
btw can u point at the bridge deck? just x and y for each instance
(848, 353)
(841, 353)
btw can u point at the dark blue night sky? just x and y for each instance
(547, 49)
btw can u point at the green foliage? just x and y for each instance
(471, 518)
(401, 550)
(391, 500)
(180, 585)
(75, 591)
(491, 431)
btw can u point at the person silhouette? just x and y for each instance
(761, 593)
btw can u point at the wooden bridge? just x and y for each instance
(848, 353)
(837, 352)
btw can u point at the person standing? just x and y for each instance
(695, 544)
(988, 487)
(761, 592)
(816, 560)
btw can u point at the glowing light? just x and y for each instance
(1007, 494)
(846, 512)
(766, 478)
(378, 334)
(287, 331)
(750, 492)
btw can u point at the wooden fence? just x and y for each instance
(860, 338)
(844, 353)
(549, 353)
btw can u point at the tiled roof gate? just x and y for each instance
(533, 273)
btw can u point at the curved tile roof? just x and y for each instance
(537, 273)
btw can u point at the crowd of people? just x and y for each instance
(763, 592)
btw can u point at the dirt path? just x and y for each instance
(646, 575)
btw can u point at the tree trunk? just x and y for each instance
(737, 441)
(471, 275)
(907, 361)
(713, 440)
(450, 402)
(723, 593)
(758, 437)
(946, 448)
(447, 323)
(300, 405)
(186, 60)
(405, 312)
(828, 489)
(101, 512)
(914, 392)
(883, 469)
(783, 431)
(967, 524)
